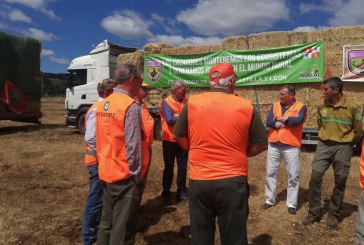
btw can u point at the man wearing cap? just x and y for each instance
(119, 151)
(148, 131)
(92, 213)
(221, 131)
(170, 109)
(340, 127)
(285, 122)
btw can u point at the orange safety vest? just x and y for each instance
(91, 155)
(167, 130)
(218, 129)
(290, 135)
(361, 167)
(110, 140)
(148, 136)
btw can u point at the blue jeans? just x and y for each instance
(92, 213)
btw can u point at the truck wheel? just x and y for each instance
(81, 124)
(157, 129)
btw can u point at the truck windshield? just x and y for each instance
(77, 77)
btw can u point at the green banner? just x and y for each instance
(301, 63)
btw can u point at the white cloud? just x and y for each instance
(50, 53)
(47, 52)
(214, 17)
(61, 61)
(17, 15)
(157, 18)
(127, 25)
(307, 8)
(325, 6)
(177, 40)
(39, 5)
(39, 34)
(305, 28)
(343, 13)
(3, 26)
(350, 13)
(169, 25)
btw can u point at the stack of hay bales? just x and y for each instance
(264, 96)
(20, 64)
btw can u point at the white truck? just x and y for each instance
(84, 74)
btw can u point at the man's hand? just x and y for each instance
(279, 125)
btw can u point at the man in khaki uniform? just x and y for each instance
(340, 127)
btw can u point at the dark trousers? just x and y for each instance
(119, 213)
(226, 199)
(339, 156)
(171, 151)
(93, 209)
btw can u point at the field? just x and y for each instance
(44, 185)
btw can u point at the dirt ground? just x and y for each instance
(44, 185)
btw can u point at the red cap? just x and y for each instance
(221, 71)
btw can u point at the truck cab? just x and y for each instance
(84, 74)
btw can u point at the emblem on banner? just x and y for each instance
(356, 62)
(311, 53)
(154, 70)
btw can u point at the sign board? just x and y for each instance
(301, 63)
(353, 63)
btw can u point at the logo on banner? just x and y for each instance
(356, 62)
(314, 73)
(154, 70)
(311, 53)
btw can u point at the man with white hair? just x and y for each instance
(170, 109)
(221, 131)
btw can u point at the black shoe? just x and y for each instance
(166, 198)
(266, 206)
(332, 221)
(292, 211)
(181, 196)
(310, 219)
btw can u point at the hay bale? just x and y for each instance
(354, 92)
(155, 48)
(268, 40)
(297, 37)
(235, 43)
(136, 58)
(186, 50)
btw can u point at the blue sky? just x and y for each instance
(68, 29)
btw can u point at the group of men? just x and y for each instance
(340, 128)
(216, 132)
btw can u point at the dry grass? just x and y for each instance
(43, 189)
